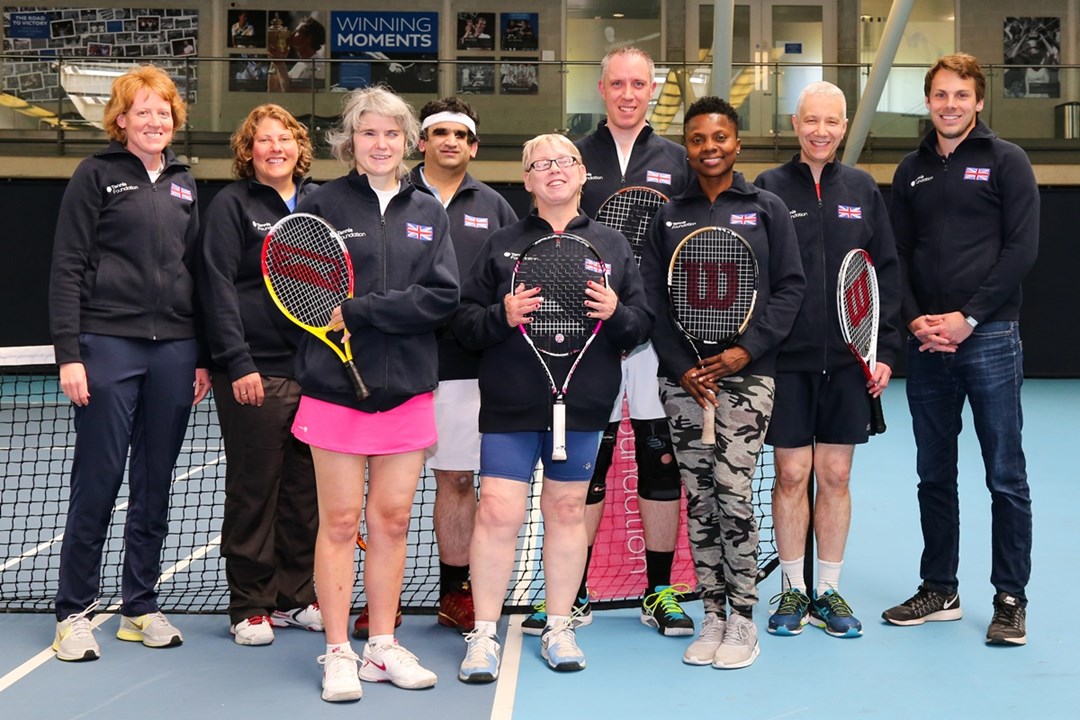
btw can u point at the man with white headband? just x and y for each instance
(448, 140)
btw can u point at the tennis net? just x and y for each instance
(37, 441)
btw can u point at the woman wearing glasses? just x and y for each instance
(516, 404)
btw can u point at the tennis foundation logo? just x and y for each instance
(120, 187)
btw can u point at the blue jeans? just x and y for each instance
(987, 370)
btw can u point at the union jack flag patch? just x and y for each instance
(849, 212)
(594, 266)
(744, 219)
(980, 174)
(661, 178)
(476, 222)
(181, 192)
(419, 232)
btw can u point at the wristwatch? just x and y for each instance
(971, 321)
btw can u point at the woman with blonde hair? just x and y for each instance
(406, 286)
(516, 404)
(122, 313)
(271, 514)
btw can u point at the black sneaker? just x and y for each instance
(580, 614)
(1009, 624)
(925, 606)
(661, 609)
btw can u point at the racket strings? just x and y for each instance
(562, 268)
(306, 265)
(630, 213)
(860, 305)
(712, 286)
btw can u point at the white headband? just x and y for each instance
(456, 117)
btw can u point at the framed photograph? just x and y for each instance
(247, 29)
(183, 47)
(62, 28)
(520, 77)
(99, 50)
(1034, 43)
(520, 31)
(476, 79)
(148, 24)
(249, 73)
(476, 31)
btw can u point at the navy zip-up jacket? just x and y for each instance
(849, 215)
(475, 212)
(966, 227)
(245, 330)
(406, 286)
(125, 253)
(515, 395)
(655, 162)
(763, 220)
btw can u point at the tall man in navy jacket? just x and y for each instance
(965, 211)
(822, 410)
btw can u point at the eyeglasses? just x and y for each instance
(563, 162)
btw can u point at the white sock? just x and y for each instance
(380, 640)
(553, 620)
(485, 627)
(828, 576)
(339, 647)
(791, 572)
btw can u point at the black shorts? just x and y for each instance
(829, 408)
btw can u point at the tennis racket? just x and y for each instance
(859, 308)
(307, 270)
(630, 211)
(561, 265)
(712, 288)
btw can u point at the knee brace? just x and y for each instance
(658, 472)
(598, 484)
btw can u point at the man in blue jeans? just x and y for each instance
(965, 212)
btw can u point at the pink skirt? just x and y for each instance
(408, 427)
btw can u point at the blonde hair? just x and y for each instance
(554, 139)
(376, 100)
(243, 140)
(128, 85)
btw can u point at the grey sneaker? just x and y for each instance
(152, 630)
(740, 645)
(702, 650)
(74, 639)
(925, 606)
(1009, 624)
(558, 645)
(481, 663)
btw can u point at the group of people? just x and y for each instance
(145, 300)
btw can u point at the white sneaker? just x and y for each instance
(340, 682)
(309, 618)
(255, 630)
(558, 645)
(740, 645)
(74, 639)
(702, 650)
(152, 630)
(393, 663)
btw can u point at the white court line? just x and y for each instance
(47, 654)
(502, 708)
(42, 547)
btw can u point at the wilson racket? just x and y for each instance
(630, 211)
(712, 288)
(859, 308)
(561, 265)
(307, 270)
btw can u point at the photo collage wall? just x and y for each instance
(35, 37)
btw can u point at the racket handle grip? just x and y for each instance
(362, 392)
(558, 431)
(877, 416)
(708, 426)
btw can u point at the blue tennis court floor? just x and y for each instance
(939, 669)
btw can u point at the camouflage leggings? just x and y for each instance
(719, 494)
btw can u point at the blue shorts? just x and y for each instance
(514, 455)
